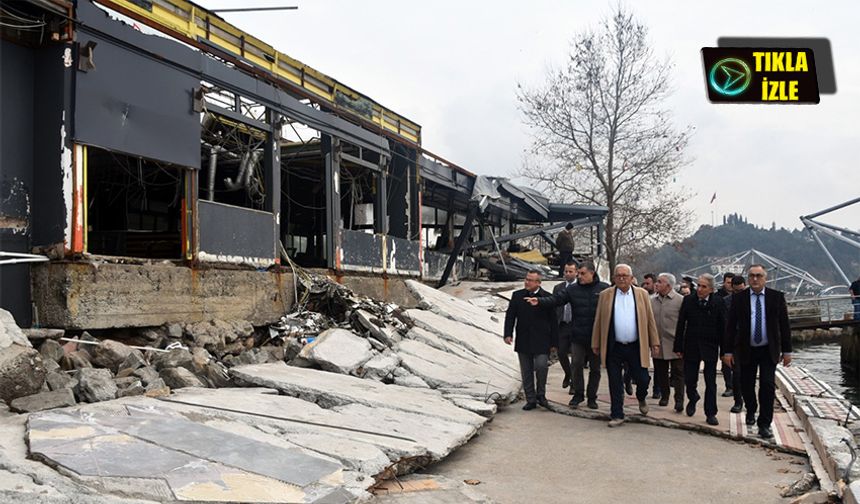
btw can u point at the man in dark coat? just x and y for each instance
(581, 299)
(537, 335)
(564, 243)
(739, 283)
(698, 338)
(564, 317)
(758, 336)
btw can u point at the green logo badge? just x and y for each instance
(730, 76)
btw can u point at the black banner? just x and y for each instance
(760, 75)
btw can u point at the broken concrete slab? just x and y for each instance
(452, 371)
(136, 448)
(95, 385)
(44, 401)
(180, 377)
(485, 345)
(381, 366)
(338, 350)
(410, 380)
(331, 389)
(377, 328)
(456, 309)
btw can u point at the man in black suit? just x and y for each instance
(698, 337)
(757, 338)
(537, 336)
(564, 317)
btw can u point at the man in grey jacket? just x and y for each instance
(666, 304)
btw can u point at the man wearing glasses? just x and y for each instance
(757, 338)
(625, 332)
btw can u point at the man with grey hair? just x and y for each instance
(698, 338)
(625, 333)
(667, 304)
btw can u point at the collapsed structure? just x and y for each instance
(164, 162)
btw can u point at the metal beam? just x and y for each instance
(829, 256)
(465, 232)
(585, 221)
(831, 209)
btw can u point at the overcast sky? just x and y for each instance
(453, 68)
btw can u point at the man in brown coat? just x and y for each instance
(666, 304)
(625, 333)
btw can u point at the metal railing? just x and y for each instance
(821, 308)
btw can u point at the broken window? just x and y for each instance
(134, 206)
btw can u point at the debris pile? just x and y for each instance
(331, 329)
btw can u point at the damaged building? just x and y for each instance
(159, 165)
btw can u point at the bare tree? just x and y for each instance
(601, 135)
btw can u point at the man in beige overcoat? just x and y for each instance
(666, 304)
(625, 333)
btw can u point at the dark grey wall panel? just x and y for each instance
(402, 256)
(233, 233)
(361, 251)
(16, 174)
(136, 105)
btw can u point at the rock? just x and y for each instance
(134, 390)
(178, 357)
(252, 356)
(41, 334)
(294, 347)
(50, 366)
(110, 354)
(127, 382)
(179, 377)
(95, 385)
(78, 359)
(58, 380)
(277, 352)
(153, 391)
(338, 350)
(155, 384)
(818, 497)
(174, 331)
(381, 366)
(133, 361)
(147, 374)
(43, 401)
(410, 381)
(199, 359)
(10, 333)
(216, 375)
(22, 372)
(51, 350)
(215, 334)
(377, 345)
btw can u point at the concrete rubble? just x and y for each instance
(347, 390)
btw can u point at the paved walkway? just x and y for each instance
(541, 456)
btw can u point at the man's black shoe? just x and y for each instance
(728, 393)
(664, 401)
(712, 420)
(750, 417)
(566, 382)
(529, 406)
(628, 387)
(574, 403)
(542, 401)
(691, 408)
(592, 404)
(764, 432)
(737, 408)
(679, 406)
(656, 395)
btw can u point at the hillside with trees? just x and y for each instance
(737, 235)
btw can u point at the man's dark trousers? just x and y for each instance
(761, 362)
(691, 380)
(531, 365)
(617, 355)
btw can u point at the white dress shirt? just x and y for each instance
(624, 316)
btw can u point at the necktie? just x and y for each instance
(567, 315)
(757, 331)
